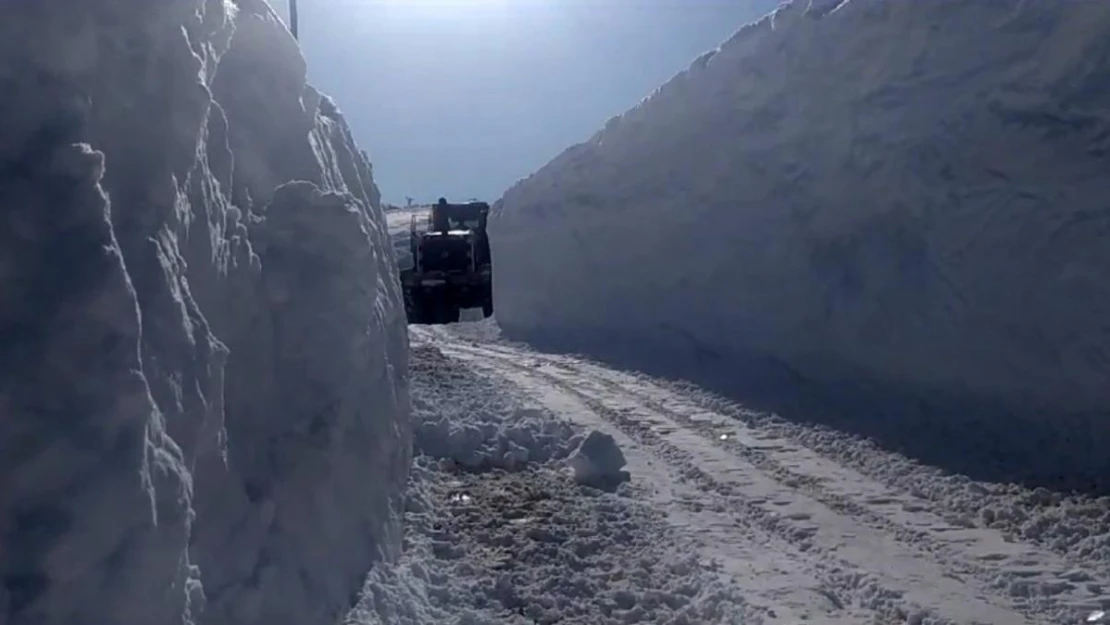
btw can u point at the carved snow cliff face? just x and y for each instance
(203, 365)
(907, 197)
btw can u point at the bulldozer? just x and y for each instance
(451, 265)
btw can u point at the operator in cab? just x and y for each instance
(439, 216)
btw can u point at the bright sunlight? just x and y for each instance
(444, 8)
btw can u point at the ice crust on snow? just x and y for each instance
(203, 398)
(902, 196)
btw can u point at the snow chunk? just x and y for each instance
(203, 405)
(598, 461)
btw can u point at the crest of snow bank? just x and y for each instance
(203, 397)
(904, 195)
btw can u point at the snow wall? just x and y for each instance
(907, 196)
(203, 355)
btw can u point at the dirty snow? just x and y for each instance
(498, 532)
(812, 525)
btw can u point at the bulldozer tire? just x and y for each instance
(423, 310)
(450, 312)
(436, 309)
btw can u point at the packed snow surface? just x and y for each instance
(730, 515)
(203, 355)
(887, 198)
(497, 531)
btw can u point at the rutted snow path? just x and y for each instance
(807, 538)
(496, 532)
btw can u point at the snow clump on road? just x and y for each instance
(497, 532)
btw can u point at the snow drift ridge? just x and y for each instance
(905, 195)
(203, 355)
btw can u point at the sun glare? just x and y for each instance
(446, 7)
(448, 3)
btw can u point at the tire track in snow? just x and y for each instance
(1038, 581)
(1073, 527)
(1028, 570)
(836, 517)
(1039, 578)
(863, 599)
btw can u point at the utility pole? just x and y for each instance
(293, 18)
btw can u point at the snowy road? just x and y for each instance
(808, 537)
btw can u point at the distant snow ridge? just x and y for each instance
(496, 542)
(203, 355)
(902, 196)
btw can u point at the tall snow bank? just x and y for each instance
(909, 195)
(203, 354)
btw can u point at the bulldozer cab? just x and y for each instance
(472, 216)
(451, 226)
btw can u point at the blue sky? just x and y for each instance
(463, 97)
